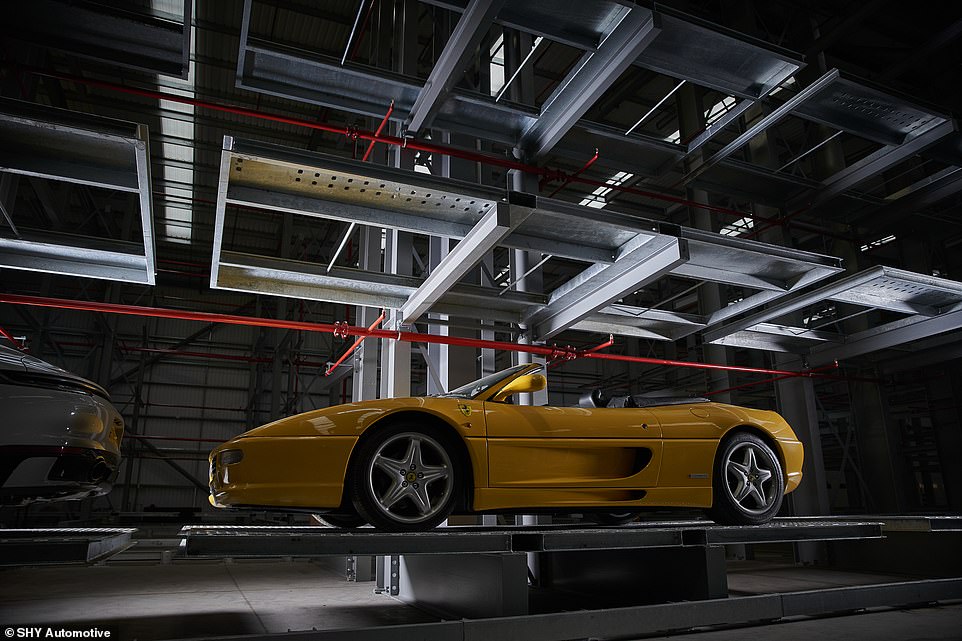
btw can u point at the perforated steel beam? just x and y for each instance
(590, 78)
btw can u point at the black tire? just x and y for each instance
(613, 518)
(347, 521)
(387, 484)
(748, 481)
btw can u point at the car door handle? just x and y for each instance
(644, 426)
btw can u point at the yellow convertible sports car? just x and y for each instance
(405, 464)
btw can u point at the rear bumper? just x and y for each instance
(42, 473)
(793, 454)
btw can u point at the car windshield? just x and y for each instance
(474, 388)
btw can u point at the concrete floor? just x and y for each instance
(194, 598)
(191, 599)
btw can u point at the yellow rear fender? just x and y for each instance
(790, 458)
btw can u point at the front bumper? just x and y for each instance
(281, 471)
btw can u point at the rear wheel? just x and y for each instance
(749, 482)
(403, 478)
(613, 518)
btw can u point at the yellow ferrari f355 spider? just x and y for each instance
(405, 464)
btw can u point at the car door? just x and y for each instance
(544, 447)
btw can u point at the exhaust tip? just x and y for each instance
(99, 472)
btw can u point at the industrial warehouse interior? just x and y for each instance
(471, 319)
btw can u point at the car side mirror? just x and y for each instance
(522, 385)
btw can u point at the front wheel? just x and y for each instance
(403, 478)
(749, 483)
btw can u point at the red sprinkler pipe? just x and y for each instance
(344, 330)
(344, 131)
(591, 350)
(380, 127)
(811, 372)
(473, 156)
(10, 338)
(575, 175)
(728, 368)
(597, 348)
(356, 344)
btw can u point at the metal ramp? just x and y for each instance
(260, 541)
(54, 546)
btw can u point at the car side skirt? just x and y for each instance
(488, 499)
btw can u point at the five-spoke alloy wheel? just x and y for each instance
(749, 483)
(404, 478)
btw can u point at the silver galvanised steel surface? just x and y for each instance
(868, 112)
(929, 305)
(54, 144)
(51, 546)
(681, 47)
(146, 39)
(622, 252)
(212, 540)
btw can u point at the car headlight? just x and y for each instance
(230, 457)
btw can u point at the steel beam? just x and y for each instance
(777, 114)
(462, 45)
(158, 44)
(644, 261)
(719, 125)
(889, 335)
(879, 287)
(55, 144)
(876, 163)
(591, 77)
(486, 234)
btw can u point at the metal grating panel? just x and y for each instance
(56, 144)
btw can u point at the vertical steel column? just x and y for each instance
(365, 357)
(398, 259)
(691, 120)
(795, 399)
(281, 340)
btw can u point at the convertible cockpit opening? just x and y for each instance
(598, 398)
